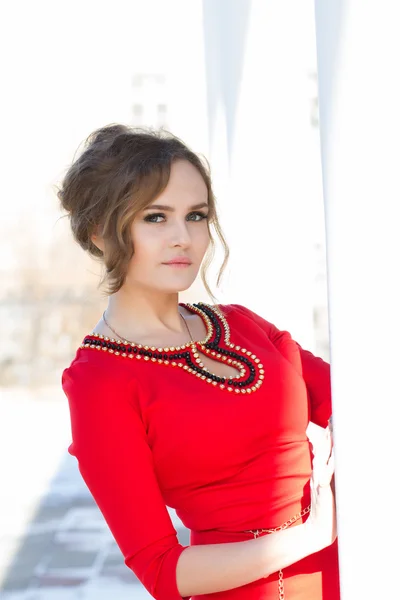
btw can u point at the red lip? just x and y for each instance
(179, 260)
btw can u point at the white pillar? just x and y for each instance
(358, 62)
(265, 154)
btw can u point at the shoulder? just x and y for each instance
(96, 373)
(242, 313)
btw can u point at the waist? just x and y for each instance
(217, 536)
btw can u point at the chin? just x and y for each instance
(177, 287)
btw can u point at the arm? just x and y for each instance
(210, 568)
(115, 461)
(109, 441)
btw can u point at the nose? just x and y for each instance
(180, 234)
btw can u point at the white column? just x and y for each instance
(265, 154)
(358, 61)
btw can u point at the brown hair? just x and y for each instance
(121, 171)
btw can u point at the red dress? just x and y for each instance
(150, 428)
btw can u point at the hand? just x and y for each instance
(321, 523)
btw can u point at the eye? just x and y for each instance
(154, 218)
(197, 216)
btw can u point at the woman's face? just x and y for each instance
(172, 227)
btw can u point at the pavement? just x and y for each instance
(54, 543)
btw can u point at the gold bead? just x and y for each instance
(260, 366)
(237, 391)
(146, 357)
(153, 360)
(257, 360)
(130, 355)
(166, 362)
(153, 348)
(261, 371)
(229, 389)
(146, 347)
(173, 364)
(159, 349)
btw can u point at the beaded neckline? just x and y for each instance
(188, 356)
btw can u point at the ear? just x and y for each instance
(97, 240)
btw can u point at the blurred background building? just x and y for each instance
(237, 81)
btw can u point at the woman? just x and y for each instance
(199, 407)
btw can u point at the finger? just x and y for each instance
(326, 474)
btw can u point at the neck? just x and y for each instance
(135, 314)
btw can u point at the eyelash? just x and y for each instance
(149, 218)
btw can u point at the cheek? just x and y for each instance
(144, 239)
(202, 238)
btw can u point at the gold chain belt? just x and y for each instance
(285, 525)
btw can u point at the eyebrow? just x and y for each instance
(171, 209)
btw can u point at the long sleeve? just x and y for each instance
(116, 463)
(314, 370)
